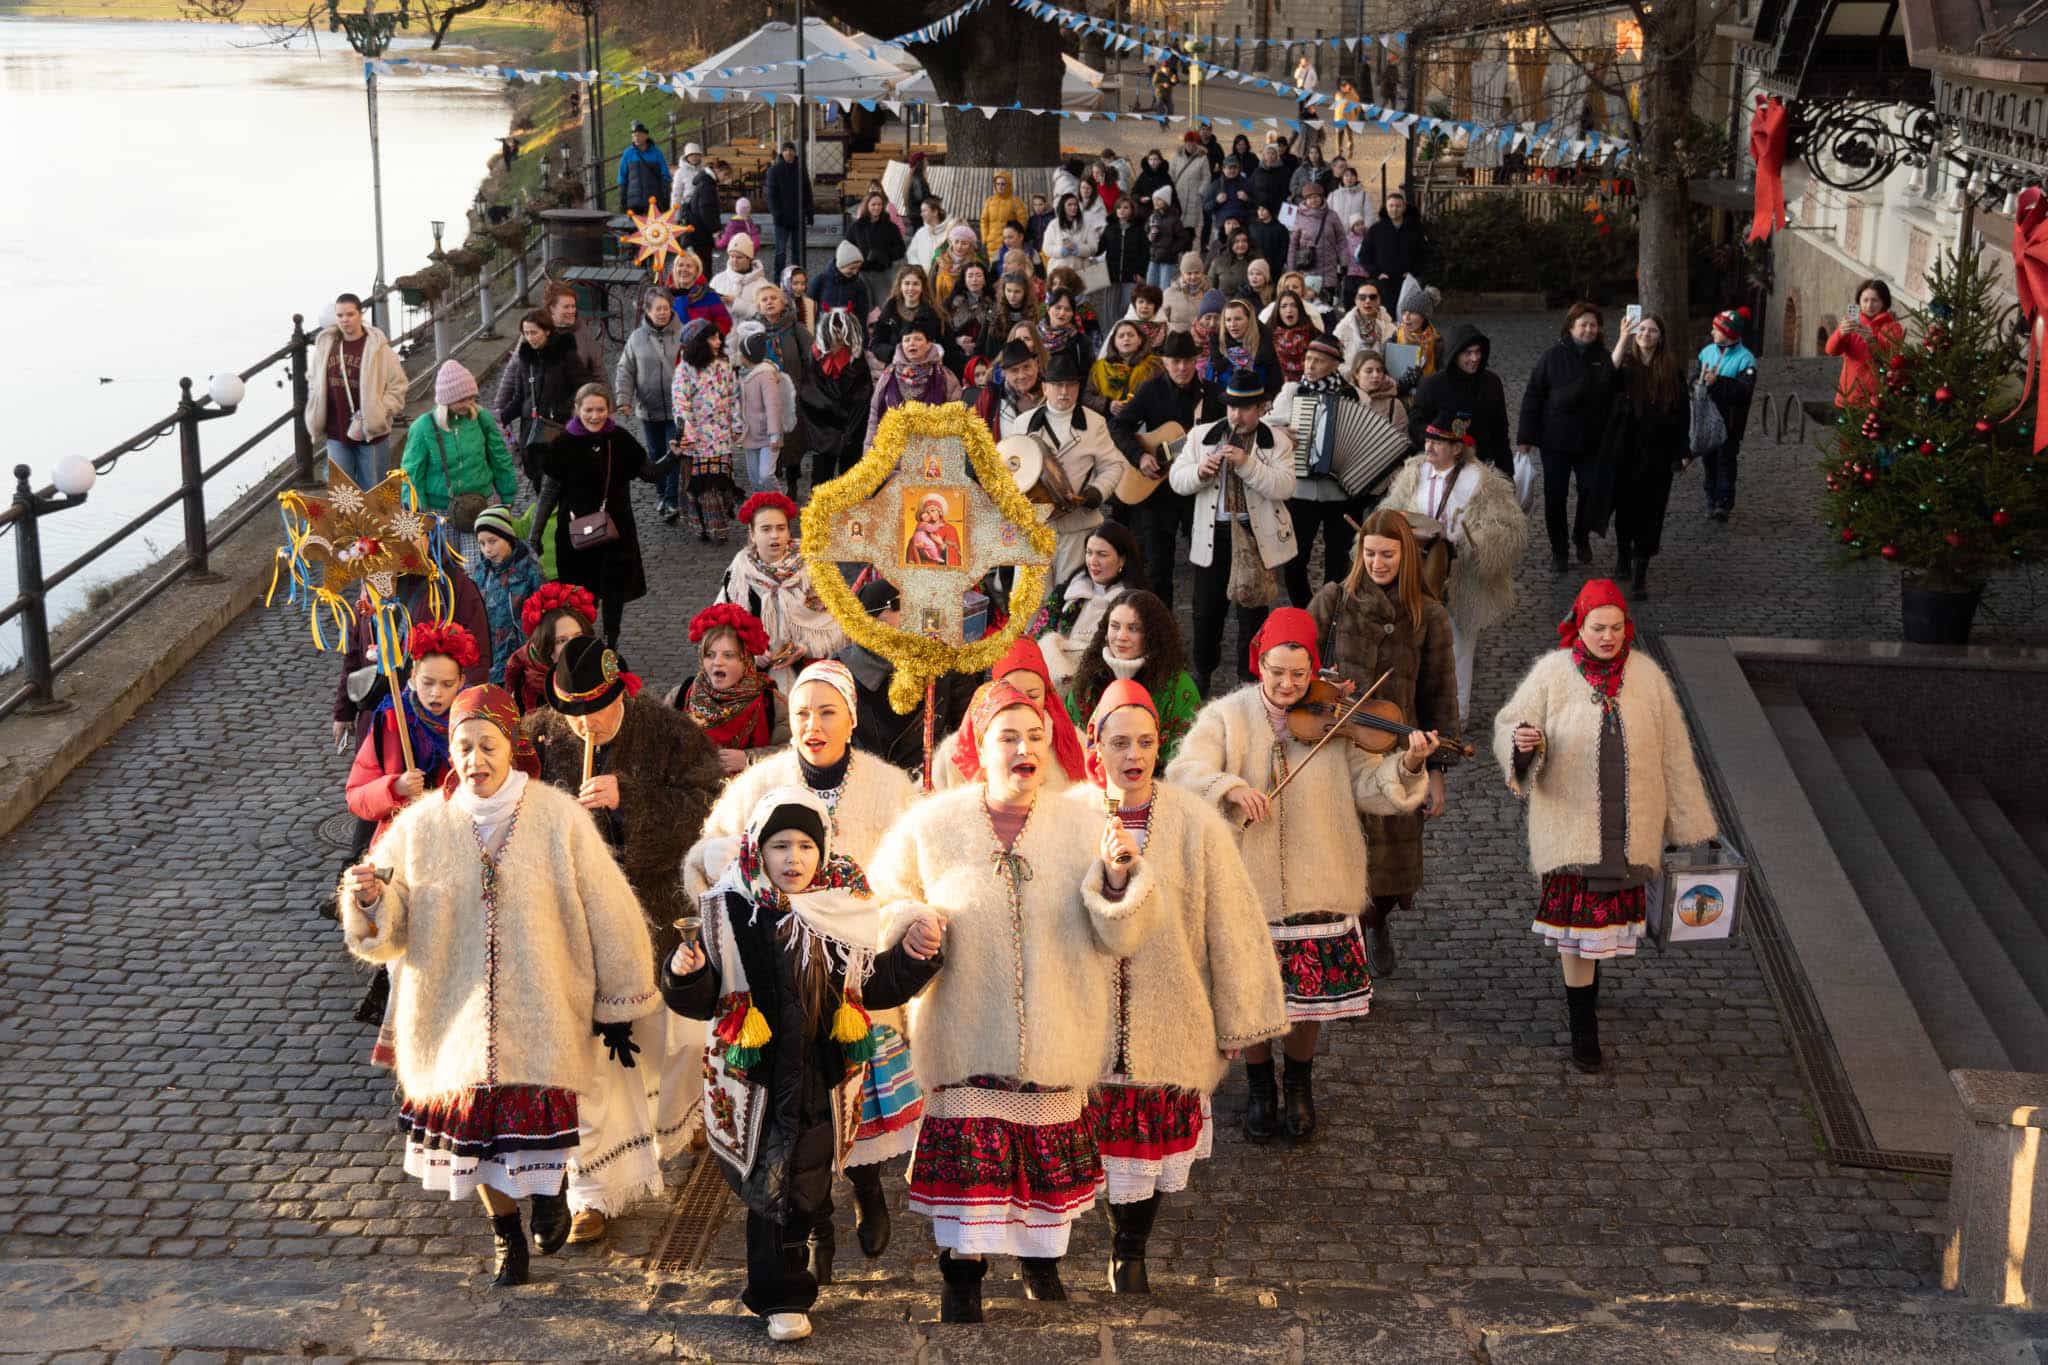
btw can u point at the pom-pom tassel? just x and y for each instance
(853, 1031)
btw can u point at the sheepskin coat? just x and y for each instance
(1308, 856)
(502, 989)
(1366, 634)
(1268, 479)
(1489, 543)
(1667, 802)
(1205, 977)
(876, 793)
(1046, 1019)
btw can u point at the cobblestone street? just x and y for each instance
(184, 1082)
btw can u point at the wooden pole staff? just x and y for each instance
(387, 647)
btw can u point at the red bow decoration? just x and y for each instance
(2030, 271)
(1769, 135)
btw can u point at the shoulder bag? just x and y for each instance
(594, 530)
(1439, 552)
(540, 431)
(463, 508)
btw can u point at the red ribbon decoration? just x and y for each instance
(2030, 271)
(1769, 135)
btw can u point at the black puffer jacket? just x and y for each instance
(1391, 250)
(1480, 399)
(800, 1064)
(1564, 409)
(1125, 250)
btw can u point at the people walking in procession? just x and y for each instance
(588, 472)
(506, 576)
(456, 457)
(357, 393)
(1564, 416)
(1646, 444)
(1727, 370)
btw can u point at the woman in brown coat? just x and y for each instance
(1380, 619)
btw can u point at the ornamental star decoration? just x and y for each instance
(658, 234)
(933, 596)
(360, 535)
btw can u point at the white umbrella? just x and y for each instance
(774, 46)
(1080, 86)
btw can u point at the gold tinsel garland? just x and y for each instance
(919, 660)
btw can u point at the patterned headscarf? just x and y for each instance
(1066, 740)
(1115, 697)
(490, 702)
(1603, 674)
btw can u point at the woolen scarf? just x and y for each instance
(1603, 674)
(428, 732)
(737, 717)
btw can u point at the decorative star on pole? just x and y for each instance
(658, 234)
(347, 536)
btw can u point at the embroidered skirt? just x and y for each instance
(1004, 1169)
(1322, 967)
(1587, 923)
(517, 1139)
(628, 1122)
(891, 1103)
(1151, 1136)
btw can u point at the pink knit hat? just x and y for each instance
(453, 384)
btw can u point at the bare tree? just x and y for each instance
(369, 30)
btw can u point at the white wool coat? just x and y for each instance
(1490, 541)
(1667, 802)
(505, 993)
(1205, 978)
(1045, 1016)
(1269, 482)
(1308, 856)
(876, 793)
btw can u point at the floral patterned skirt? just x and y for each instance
(1322, 967)
(1002, 1170)
(891, 1103)
(1587, 923)
(1151, 1136)
(517, 1139)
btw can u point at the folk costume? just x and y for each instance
(954, 762)
(512, 936)
(751, 715)
(380, 760)
(862, 796)
(1308, 857)
(782, 1072)
(781, 598)
(1078, 441)
(526, 676)
(1612, 783)
(1204, 981)
(667, 775)
(1019, 1025)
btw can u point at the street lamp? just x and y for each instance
(73, 476)
(439, 227)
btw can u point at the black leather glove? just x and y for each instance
(1091, 497)
(618, 1040)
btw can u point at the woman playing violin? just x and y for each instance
(1302, 844)
(1380, 619)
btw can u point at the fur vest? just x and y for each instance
(502, 988)
(668, 777)
(1667, 802)
(1489, 542)
(1308, 856)
(1205, 978)
(1026, 995)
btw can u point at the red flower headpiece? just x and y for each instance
(753, 635)
(776, 501)
(431, 637)
(548, 596)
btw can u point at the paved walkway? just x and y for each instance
(183, 1082)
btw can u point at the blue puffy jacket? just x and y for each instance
(643, 175)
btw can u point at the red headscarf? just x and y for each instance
(991, 699)
(1120, 693)
(490, 702)
(1604, 674)
(1066, 740)
(1288, 626)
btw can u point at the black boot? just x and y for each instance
(1262, 1102)
(550, 1222)
(1639, 586)
(1042, 1279)
(960, 1296)
(1130, 1227)
(376, 995)
(1380, 957)
(870, 1209)
(1584, 545)
(1559, 561)
(1622, 562)
(509, 1266)
(824, 1241)
(1301, 1100)
(1582, 1004)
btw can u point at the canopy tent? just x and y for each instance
(734, 72)
(1080, 86)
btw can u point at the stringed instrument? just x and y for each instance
(1374, 725)
(1136, 485)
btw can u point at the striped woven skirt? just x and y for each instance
(891, 1102)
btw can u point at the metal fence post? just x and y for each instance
(191, 482)
(302, 439)
(35, 623)
(484, 310)
(519, 281)
(437, 308)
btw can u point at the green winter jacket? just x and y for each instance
(478, 459)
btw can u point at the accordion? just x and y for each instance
(1344, 439)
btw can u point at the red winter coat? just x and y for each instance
(526, 680)
(373, 777)
(1860, 354)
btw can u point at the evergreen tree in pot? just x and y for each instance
(1933, 470)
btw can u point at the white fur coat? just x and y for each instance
(1308, 856)
(1205, 977)
(1028, 996)
(1667, 802)
(876, 793)
(504, 992)
(1489, 543)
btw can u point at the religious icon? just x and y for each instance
(856, 529)
(1007, 536)
(934, 466)
(933, 522)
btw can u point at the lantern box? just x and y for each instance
(1697, 897)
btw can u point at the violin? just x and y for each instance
(1376, 726)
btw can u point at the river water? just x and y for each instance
(173, 193)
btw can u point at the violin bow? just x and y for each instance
(1328, 735)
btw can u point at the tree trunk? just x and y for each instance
(1663, 194)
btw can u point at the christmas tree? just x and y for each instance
(1935, 472)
